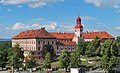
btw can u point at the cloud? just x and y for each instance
(103, 3)
(88, 18)
(19, 26)
(9, 10)
(31, 3)
(118, 11)
(20, 6)
(38, 19)
(97, 3)
(49, 26)
(118, 28)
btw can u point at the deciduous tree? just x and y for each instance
(47, 61)
(15, 56)
(110, 58)
(64, 59)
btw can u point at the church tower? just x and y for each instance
(78, 30)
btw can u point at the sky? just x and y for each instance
(58, 16)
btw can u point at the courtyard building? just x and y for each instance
(34, 40)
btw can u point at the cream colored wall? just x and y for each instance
(25, 44)
(88, 40)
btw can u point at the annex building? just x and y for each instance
(34, 40)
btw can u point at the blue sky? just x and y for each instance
(58, 15)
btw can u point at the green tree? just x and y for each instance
(81, 47)
(30, 62)
(118, 44)
(3, 53)
(50, 49)
(93, 49)
(47, 61)
(110, 58)
(15, 56)
(2, 56)
(75, 60)
(64, 59)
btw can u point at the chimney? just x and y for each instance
(43, 28)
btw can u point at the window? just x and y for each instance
(48, 42)
(52, 42)
(38, 47)
(43, 42)
(38, 42)
(57, 52)
(57, 47)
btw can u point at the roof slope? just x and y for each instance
(86, 35)
(42, 33)
(39, 33)
(102, 35)
(62, 35)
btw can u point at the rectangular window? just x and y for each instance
(48, 42)
(52, 42)
(38, 42)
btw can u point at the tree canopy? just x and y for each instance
(47, 61)
(110, 58)
(15, 56)
(64, 59)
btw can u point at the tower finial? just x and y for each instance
(78, 14)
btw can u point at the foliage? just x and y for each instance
(3, 53)
(15, 56)
(109, 52)
(118, 44)
(93, 49)
(81, 47)
(50, 49)
(64, 59)
(47, 61)
(30, 62)
(75, 60)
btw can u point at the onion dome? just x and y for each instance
(78, 23)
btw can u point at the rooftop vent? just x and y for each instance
(43, 28)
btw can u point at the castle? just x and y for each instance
(34, 40)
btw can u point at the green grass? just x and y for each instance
(55, 64)
(52, 72)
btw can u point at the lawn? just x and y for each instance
(52, 72)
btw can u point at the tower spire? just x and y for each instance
(78, 15)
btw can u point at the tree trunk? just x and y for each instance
(66, 69)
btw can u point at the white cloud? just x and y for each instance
(48, 26)
(51, 26)
(105, 3)
(102, 3)
(117, 27)
(31, 3)
(97, 3)
(88, 18)
(19, 26)
(118, 11)
(38, 19)
(9, 10)
(36, 26)
(20, 6)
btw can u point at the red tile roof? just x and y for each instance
(86, 35)
(102, 35)
(66, 43)
(42, 33)
(39, 33)
(62, 35)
